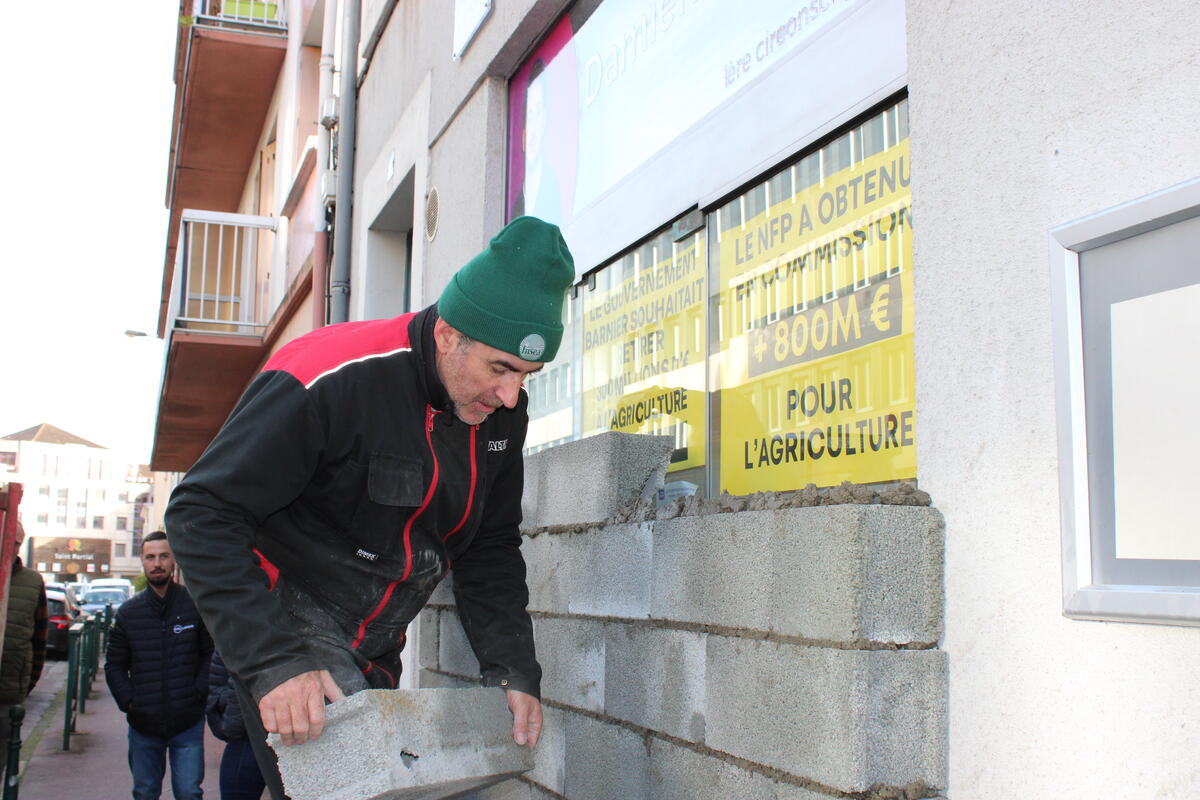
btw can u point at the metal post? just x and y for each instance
(12, 773)
(72, 686)
(85, 662)
(339, 287)
(108, 621)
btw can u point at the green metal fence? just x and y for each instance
(12, 769)
(87, 640)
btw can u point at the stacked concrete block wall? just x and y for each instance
(770, 652)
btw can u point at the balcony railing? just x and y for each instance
(220, 262)
(241, 13)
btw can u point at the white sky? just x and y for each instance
(82, 217)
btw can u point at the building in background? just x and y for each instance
(155, 508)
(246, 238)
(82, 507)
(815, 242)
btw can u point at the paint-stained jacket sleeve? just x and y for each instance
(261, 461)
(490, 588)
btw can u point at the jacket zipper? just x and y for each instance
(387, 595)
(470, 491)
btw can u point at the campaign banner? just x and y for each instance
(815, 364)
(643, 350)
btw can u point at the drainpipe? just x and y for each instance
(320, 272)
(339, 301)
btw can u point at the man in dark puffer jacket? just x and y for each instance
(157, 671)
(241, 779)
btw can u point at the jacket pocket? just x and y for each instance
(395, 488)
(395, 480)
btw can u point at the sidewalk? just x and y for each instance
(96, 766)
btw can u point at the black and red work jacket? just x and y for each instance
(339, 492)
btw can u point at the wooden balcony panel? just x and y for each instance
(228, 85)
(204, 377)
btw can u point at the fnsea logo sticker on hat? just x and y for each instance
(532, 347)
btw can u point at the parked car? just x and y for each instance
(71, 590)
(63, 614)
(124, 584)
(97, 597)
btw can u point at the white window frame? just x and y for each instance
(1083, 596)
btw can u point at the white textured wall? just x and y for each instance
(1026, 115)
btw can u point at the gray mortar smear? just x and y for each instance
(899, 494)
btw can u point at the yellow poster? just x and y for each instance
(644, 342)
(815, 359)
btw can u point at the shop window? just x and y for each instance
(770, 335)
(813, 350)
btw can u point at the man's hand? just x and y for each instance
(527, 717)
(295, 709)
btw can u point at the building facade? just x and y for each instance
(246, 237)
(82, 507)
(871, 241)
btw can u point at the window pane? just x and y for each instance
(813, 341)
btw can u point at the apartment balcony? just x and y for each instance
(215, 326)
(227, 65)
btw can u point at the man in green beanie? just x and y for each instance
(365, 462)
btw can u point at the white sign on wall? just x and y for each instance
(468, 18)
(1154, 392)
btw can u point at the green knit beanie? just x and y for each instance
(510, 296)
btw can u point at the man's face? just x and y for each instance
(157, 562)
(478, 378)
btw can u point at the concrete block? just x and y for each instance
(550, 756)
(428, 626)
(604, 761)
(401, 744)
(443, 593)
(511, 789)
(858, 572)
(677, 773)
(839, 573)
(654, 678)
(714, 569)
(845, 718)
(436, 680)
(600, 571)
(787, 791)
(454, 651)
(587, 481)
(905, 574)
(571, 652)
